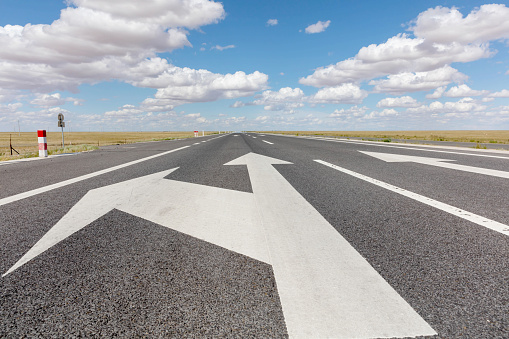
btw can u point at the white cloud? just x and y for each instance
(286, 99)
(272, 22)
(319, 27)
(233, 120)
(447, 25)
(262, 118)
(437, 93)
(405, 101)
(177, 86)
(385, 113)
(439, 41)
(502, 94)
(124, 112)
(343, 94)
(167, 13)
(222, 48)
(354, 111)
(98, 41)
(55, 99)
(463, 91)
(419, 81)
(238, 104)
(464, 105)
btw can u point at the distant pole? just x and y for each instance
(61, 124)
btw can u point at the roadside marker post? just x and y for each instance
(195, 134)
(43, 145)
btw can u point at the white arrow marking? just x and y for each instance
(326, 288)
(387, 157)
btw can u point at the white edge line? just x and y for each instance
(44, 189)
(477, 219)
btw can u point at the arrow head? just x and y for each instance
(252, 158)
(388, 157)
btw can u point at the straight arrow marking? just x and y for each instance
(327, 289)
(477, 219)
(387, 157)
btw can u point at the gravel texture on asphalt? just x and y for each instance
(124, 276)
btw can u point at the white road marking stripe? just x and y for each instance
(268, 142)
(477, 219)
(424, 149)
(40, 190)
(388, 157)
(411, 147)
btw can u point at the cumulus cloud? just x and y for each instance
(55, 99)
(385, 113)
(238, 104)
(418, 81)
(272, 22)
(222, 48)
(319, 27)
(463, 91)
(94, 41)
(167, 13)
(286, 99)
(262, 118)
(442, 36)
(437, 93)
(354, 111)
(343, 94)
(502, 94)
(447, 25)
(464, 105)
(405, 101)
(177, 86)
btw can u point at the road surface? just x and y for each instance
(257, 235)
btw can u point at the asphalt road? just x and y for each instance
(128, 272)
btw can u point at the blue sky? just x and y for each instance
(254, 65)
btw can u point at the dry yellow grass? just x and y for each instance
(26, 143)
(501, 137)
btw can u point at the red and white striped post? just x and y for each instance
(43, 145)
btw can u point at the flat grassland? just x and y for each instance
(480, 137)
(26, 142)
